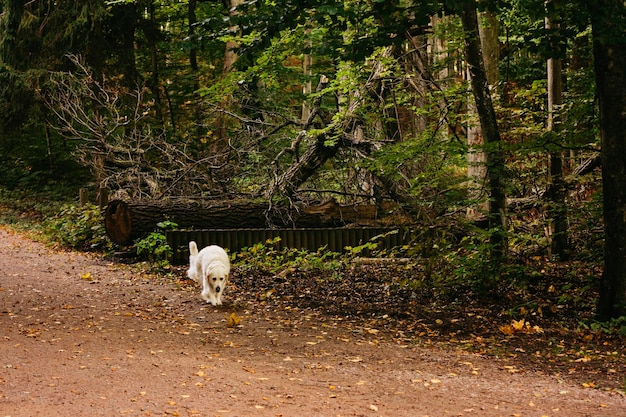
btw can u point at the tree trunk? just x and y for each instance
(314, 157)
(94, 52)
(476, 155)
(123, 19)
(609, 51)
(127, 221)
(491, 134)
(151, 35)
(307, 71)
(557, 209)
(193, 64)
(230, 56)
(306, 165)
(220, 139)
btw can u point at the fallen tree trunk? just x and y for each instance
(127, 221)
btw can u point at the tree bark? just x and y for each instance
(608, 19)
(193, 65)
(123, 20)
(151, 35)
(230, 56)
(127, 221)
(557, 209)
(491, 134)
(476, 155)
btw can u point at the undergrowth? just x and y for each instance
(269, 256)
(448, 266)
(78, 227)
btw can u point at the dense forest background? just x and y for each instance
(496, 128)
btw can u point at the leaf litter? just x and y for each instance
(371, 301)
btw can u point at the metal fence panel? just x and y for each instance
(235, 240)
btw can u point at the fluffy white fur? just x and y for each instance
(209, 267)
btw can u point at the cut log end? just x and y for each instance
(118, 223)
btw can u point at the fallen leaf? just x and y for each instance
(233, 320)
(520, 326)
(266, 295)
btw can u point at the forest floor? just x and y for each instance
(86, 336)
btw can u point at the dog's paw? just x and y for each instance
(209, 300)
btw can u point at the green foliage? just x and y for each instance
(471, 260)
(369, 248)
(267, 256)
(16, 99)
(78, 227)
(615, 326)
(154, 247)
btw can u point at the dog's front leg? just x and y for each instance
(206, 291)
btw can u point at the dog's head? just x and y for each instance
(217, 277)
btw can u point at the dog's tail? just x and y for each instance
(193, 248)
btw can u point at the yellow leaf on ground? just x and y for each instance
(518, 324)
(233, 320)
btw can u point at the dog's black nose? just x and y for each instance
(217, 289)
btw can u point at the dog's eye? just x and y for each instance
(214, 279)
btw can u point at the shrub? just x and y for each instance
(154, 247)
(78, 227)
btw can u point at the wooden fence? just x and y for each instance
(234, 240)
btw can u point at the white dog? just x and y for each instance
(209, 267)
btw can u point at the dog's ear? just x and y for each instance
(193, 248)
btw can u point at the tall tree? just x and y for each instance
(608, 19)
(151, 30)
(476, 155)
(490, 131)
(193, 65)
(122, 25)
(557, 210)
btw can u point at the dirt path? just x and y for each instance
(82, 337)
